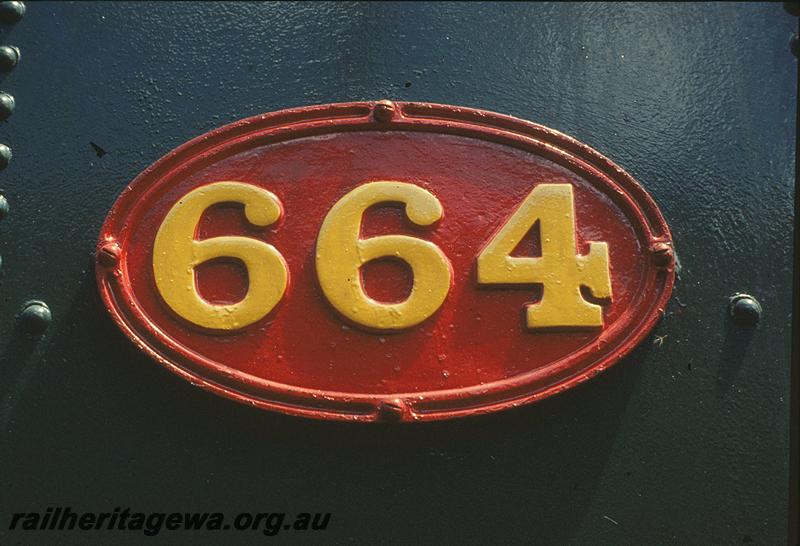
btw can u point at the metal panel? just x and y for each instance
(685, 442)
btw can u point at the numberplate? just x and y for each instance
(385, 261)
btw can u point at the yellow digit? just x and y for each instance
(560, 270)
(176, 253)
(341, 253)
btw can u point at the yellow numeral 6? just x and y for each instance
(341, 253)
(176, 254)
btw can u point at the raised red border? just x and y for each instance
(612, 345)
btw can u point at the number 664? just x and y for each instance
(340, 253)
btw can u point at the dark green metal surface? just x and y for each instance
(685, 442)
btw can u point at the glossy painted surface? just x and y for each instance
(463, 174)
(686, 442)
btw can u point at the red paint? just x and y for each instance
(474, 355)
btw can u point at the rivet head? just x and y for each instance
(35, 317)
(108, 254)
(663, 254)
(9, 57)
(12, 12)
(383, 110)
(5, 156)
(4, 208)
(745, 310)
(7, 105)
(391, 410)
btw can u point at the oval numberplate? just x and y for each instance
(385, 261)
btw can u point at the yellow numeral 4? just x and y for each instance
(560, 270)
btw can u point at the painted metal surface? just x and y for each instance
(684, 443)
(415, 306)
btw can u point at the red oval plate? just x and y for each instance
(474, 354)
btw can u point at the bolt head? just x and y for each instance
(383, 110)
(7, 105)
(12, 12)
(663, 254)
(5, 156)
(4, 208)
(392, 410)
(35, 317)
(745, 310)
(9, 57)
(108, 254)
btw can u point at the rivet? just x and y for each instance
(663, 254)
(12, 12)
(4, 208)
(9, 57)
(35, 317)
(108, 254)
(6, 106)
(5, 156)
(391, 410)
(383, 111)
(745, 310)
